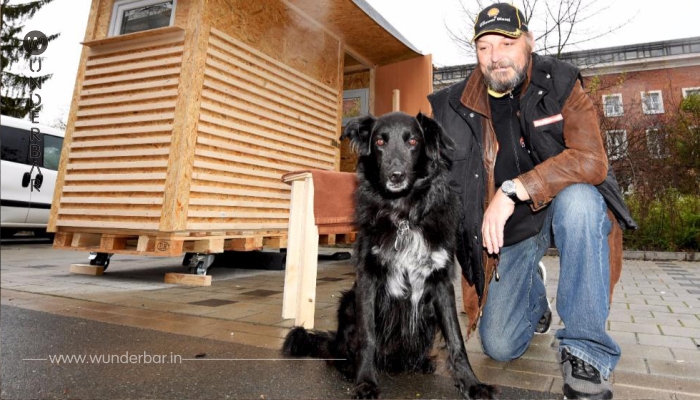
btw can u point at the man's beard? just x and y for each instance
(505, 86)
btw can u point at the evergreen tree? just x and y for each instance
(17, 88)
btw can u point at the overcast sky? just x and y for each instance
(423, 22)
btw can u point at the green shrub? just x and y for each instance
(668, 222)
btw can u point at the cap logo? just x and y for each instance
(493, 12)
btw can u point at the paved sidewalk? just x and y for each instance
(655, 315)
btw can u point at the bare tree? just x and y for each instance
(557, 24)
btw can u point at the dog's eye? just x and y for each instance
(413, 142)
(380, 142)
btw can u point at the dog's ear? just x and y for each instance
(434, 136)
(359, 131)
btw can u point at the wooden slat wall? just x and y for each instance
(118, 156)
(259, 119)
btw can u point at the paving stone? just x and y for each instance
(633, 327)
(646, 352)
(664, 382)
(643, 307)
(623, 337)
(631, 364)
(680, 331)
(666, 341)
(674, 369)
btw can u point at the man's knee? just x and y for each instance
(579, 203)
(502, 348)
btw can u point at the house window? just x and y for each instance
(613, 105)
(129, 16)
(656, 143)
(652, 102)
(691, 90)
(617, 144)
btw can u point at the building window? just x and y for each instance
(652, 102)
(691, 90)
(656, 143)
(129, 16)
(613, 105)
(617, 144)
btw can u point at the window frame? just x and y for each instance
(622, 148)
(121, 6)
(689, 89)
(645, 109)
(605, 105)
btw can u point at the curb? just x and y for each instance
(647, 255)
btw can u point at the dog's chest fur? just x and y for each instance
(409, 261)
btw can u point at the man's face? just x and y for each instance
(503, 60)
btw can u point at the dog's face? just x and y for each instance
(396, 148)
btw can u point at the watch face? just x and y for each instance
(508, 187)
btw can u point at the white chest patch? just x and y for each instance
(409, 264)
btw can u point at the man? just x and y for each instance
(530, 168)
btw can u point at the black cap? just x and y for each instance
(501, 18)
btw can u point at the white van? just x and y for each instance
(30, 156)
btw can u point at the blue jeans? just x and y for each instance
(577, 218)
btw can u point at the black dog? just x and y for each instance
(406, 217)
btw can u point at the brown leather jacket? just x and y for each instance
(583, 160)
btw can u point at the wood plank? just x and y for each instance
(326, 240)
(135, 56)
(264, 154)
(127, 98)
(62, 239)
(200, 163)
(215, 245)
(148, 176)
(236, 214)
(133, 66)
(112, 242)
(109, 212)
(119, 153)
(239, 192)
(126, 130)
(146, 244)
(113, 188)
(118, 165)
(163, 105)
(213, 119)
(133, 76)
(89, 144)
(168, 247)
(234, 226)
(204, 176)
(141, 38)
(246, 160)
(129, 87)
(112, 200)
(300, 198)
(85, 240)
(187, 279)
(87, 269)
(236, 203)
(279, 242)
(107, 224)
(127, 119)
(244, 244)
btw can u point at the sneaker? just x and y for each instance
(546, 321)
(582, 380)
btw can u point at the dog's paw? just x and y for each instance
(483, 391)
(366, 390)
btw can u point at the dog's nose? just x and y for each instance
(398, 176)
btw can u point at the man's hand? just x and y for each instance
(498, 212)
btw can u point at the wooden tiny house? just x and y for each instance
(181, 129)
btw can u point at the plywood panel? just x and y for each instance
(117, 156)
(414, 80)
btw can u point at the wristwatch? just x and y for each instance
(508, 187)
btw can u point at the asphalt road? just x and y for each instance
(207, 368)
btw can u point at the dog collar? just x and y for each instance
(401, 232)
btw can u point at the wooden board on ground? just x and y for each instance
(188, 279)
(86, 269)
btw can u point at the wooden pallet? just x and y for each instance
(150, 244)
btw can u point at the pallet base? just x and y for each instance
(188, 279)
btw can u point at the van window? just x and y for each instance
(52, 151)
(15, 144)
